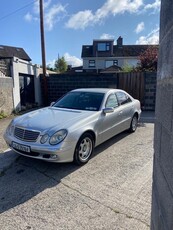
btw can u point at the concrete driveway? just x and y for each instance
(112, 191)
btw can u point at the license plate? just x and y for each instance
(23, 148)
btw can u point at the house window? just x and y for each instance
(103, 46)
(91, 63)
(115, 62)
(111, 62)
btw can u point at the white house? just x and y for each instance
(15, 63)
(103, 53)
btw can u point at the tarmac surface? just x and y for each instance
(111, 192)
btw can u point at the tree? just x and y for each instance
(48, 67)
(61, 65)
(148, 59)
(127, 68)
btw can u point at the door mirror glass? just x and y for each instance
(108, 110)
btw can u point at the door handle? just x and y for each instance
(120, 113)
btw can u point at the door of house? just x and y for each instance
(27, 94)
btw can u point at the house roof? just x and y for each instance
(129, 50)
(112, 69)
(75, 69)
(118, 51)
(87, 51)
(10, 51)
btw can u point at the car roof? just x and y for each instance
(95, 90)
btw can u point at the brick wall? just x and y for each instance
(6, 98)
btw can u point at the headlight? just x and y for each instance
(57, 137)
(44, 138)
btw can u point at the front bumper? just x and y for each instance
(63, 152)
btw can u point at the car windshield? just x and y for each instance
(81, 100)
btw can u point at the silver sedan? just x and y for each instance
(70, 128)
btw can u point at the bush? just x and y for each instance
(2, 114)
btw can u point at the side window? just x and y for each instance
(111, 101)
(123, 98)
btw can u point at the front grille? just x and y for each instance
(25, 134)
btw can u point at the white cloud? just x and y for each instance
(85, 18)
(52, 14)
(151, 38)
(72, 60)
(153, 6)
(36, 8)
(140, 27)
(28, 17)
(80, 20)
(51, 64)
(117, 7)
(106, 36)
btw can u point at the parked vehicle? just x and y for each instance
(70, 128)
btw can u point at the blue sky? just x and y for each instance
(69, 24)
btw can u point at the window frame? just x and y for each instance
(92, 63)
(103, 46)
(108, 99)
(128, 98)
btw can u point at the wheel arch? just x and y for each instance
(75, 156)
(136, 114)
(92, 133)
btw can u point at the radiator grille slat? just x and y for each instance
(25, 134)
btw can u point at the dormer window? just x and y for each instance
(103, 46)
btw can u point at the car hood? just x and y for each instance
(51, 118)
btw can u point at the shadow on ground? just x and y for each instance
(28, 177)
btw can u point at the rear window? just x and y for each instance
(123, 98)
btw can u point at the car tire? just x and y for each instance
(134, 124)
(84, 149)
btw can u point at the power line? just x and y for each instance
(14, 12)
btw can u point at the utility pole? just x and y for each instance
(43, 53)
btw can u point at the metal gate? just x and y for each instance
(27, 93)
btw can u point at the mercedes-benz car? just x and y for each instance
(71, 127)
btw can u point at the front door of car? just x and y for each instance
(110, 122)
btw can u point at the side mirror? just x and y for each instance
(52, 103)
(108, 110)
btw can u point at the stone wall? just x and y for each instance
(162, 194)
(150, 90)
(6, 95)
(58, 85)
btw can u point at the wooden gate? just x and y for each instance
(133, 83)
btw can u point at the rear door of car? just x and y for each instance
(127, 108)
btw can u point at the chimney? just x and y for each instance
(120, 41)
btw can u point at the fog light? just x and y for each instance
(54, 156)
(44, 138)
